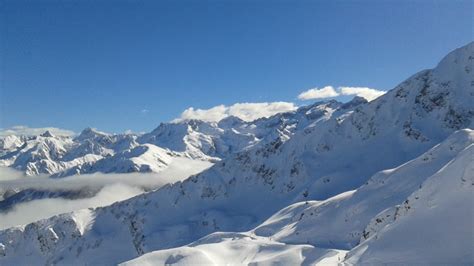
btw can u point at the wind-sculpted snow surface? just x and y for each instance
(335, 149)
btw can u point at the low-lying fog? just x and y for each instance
(113, 188)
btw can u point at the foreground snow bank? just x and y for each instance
(240, 249)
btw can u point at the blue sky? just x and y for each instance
(118, 65)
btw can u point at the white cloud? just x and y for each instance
(7, 174)
(367, 93)
(244, 111)
(315, 93)
(28, 131)
(330, 92)
(212, 114)
(252, 111)
(144, 111)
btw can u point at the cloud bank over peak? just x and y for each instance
(368, 93)
(331, 92)
(29, 131)
(244, 111)
(315, 93)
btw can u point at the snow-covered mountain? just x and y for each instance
(10, 142)
(94, 151)
(214, 140)
(430, 190)
(329, 175)
(49, 154)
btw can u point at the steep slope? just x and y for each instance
(417, 114)
(433, 225)
(341, 223)
(334, 153)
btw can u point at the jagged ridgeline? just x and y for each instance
(360, 178)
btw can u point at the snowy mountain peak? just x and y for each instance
(357, 100)
(458, 62)
(230, 121)
(9, 143)
(47, 134)
(91, 133)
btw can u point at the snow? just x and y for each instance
(300, 187)
(9, 142)
(433, 226)
(340, 221)
(240, 249)
(280, 238)
(83, 218)
(95, 151)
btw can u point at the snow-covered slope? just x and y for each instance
(9, 143)
(142, 158)
(240, 249)
(341, 223)
(243, 248)
(291, 235)
(43, 154)
(434, 225)
(335, 151)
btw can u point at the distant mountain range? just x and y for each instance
(94, 151)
